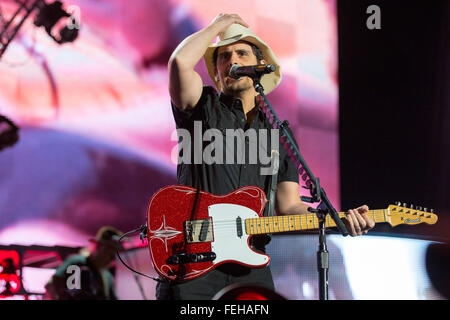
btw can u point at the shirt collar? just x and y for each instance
(229, 101)
(232, 102)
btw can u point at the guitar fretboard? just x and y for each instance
(300, 222)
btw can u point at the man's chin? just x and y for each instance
(238, 86)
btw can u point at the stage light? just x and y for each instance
(60, 25)
(9, 280)
(52, 16)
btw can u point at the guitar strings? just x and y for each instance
(286, 223)
(283, 224)
(377, 216)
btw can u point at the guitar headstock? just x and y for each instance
(401, 214)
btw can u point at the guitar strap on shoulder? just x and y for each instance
(275, 164)
(265, 239)
(273, 183)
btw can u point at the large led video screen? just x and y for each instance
(96, 126)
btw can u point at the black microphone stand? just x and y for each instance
(317, 195)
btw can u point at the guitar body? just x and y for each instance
(183, 222)
(190, 232)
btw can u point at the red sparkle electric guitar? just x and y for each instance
(191, 232)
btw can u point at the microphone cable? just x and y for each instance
(143, 231)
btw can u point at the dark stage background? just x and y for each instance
(394, 109)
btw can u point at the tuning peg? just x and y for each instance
(425, 209)
(398, 203)
(431, 210)
(404, 204)
(411, 206)
(419, 208)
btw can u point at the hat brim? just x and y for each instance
(268, 81)
(113, 243)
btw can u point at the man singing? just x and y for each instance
(234, 107)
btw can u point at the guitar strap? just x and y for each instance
(275, 159)
(273, 182)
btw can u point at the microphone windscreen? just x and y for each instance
(233, 69)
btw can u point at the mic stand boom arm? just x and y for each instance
(317, 194)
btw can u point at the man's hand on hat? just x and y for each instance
(224, 20)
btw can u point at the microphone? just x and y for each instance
(251, 71)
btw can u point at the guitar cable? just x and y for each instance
(143, 233)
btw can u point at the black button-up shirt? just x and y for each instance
(222, 112)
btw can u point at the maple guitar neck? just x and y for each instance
(308, 221)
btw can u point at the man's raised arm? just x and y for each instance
(185, 84)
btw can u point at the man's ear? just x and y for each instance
(215, 75)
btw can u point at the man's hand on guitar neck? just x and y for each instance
(357, 221)
(288, 202)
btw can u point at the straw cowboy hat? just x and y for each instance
(237, 32)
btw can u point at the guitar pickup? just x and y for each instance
(184, 258)
(198, 231)
(239, 227)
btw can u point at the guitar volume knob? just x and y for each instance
(174, 259)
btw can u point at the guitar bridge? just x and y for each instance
(198, 230)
